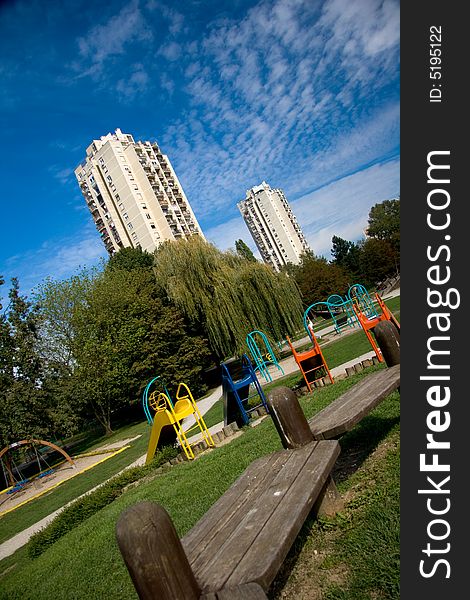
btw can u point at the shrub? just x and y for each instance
(91, 503)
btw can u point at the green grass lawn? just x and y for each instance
(86, 563)
(25, 516)
(336, 352)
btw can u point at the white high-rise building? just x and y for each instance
(273, 226)
(133, 194)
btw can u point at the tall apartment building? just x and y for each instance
(133, 194)
(273, 226)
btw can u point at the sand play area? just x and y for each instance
(40, 486)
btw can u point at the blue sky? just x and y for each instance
(301, 94)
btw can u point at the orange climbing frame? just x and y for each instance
(368, 323)
(311, 363)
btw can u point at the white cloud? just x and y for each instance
(110, 39)
(58, 258)
(342, 208)
(281, 95)
(134, 84)
(64, 175)
(171, 51)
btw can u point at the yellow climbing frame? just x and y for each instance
(167, 414)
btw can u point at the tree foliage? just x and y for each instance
(128, 259)
(244, 251)
(57, 303)
(378, 260)
(23, 402)
(384, 222)
(107, 333)
(226, 296)
(317, 278)
(346, 255)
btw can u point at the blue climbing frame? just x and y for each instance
(237, 378)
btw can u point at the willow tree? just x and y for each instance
(225, 295)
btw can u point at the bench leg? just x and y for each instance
(153, 554)
(288, 418)
(329, 502)
(388, 338)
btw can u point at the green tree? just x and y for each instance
(317, 278)
(225, 296)
(346, 255)
(125, 334)
(57, 303)
(129, 259)
(384, 222)
(244, 251)
(23, 402)
(377, 261)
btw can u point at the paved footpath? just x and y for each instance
(289, 366)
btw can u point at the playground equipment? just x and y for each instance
(147, 393)
(368, 317)
(311, 363)
(262, 360)
(9, 465)
(238, 375)
(341, 311)
(360, 298)
(319, 309)
(171, 416)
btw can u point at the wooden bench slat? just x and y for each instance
(347, 410)
(234, 500)
(264, 558)
(235, 514)
(276, 513)
(249, 591)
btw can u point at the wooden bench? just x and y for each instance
(346, 411)
(238, 546)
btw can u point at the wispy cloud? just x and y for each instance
(62, 174)
(295, 75)
(342, 207)
(57, 258)
(105, 41)
(134, 84)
